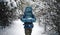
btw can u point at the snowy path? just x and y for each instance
(17, 29)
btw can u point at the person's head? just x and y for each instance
(28, 9)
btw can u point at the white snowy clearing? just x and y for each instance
(18, 29)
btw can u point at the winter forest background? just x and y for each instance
(47, 13)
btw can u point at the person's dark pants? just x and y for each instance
(28, 31)
(28, 28)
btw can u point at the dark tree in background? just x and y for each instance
(8, 13)
(3, 17)
(57, 20)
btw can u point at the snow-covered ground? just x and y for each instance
(17, 28)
